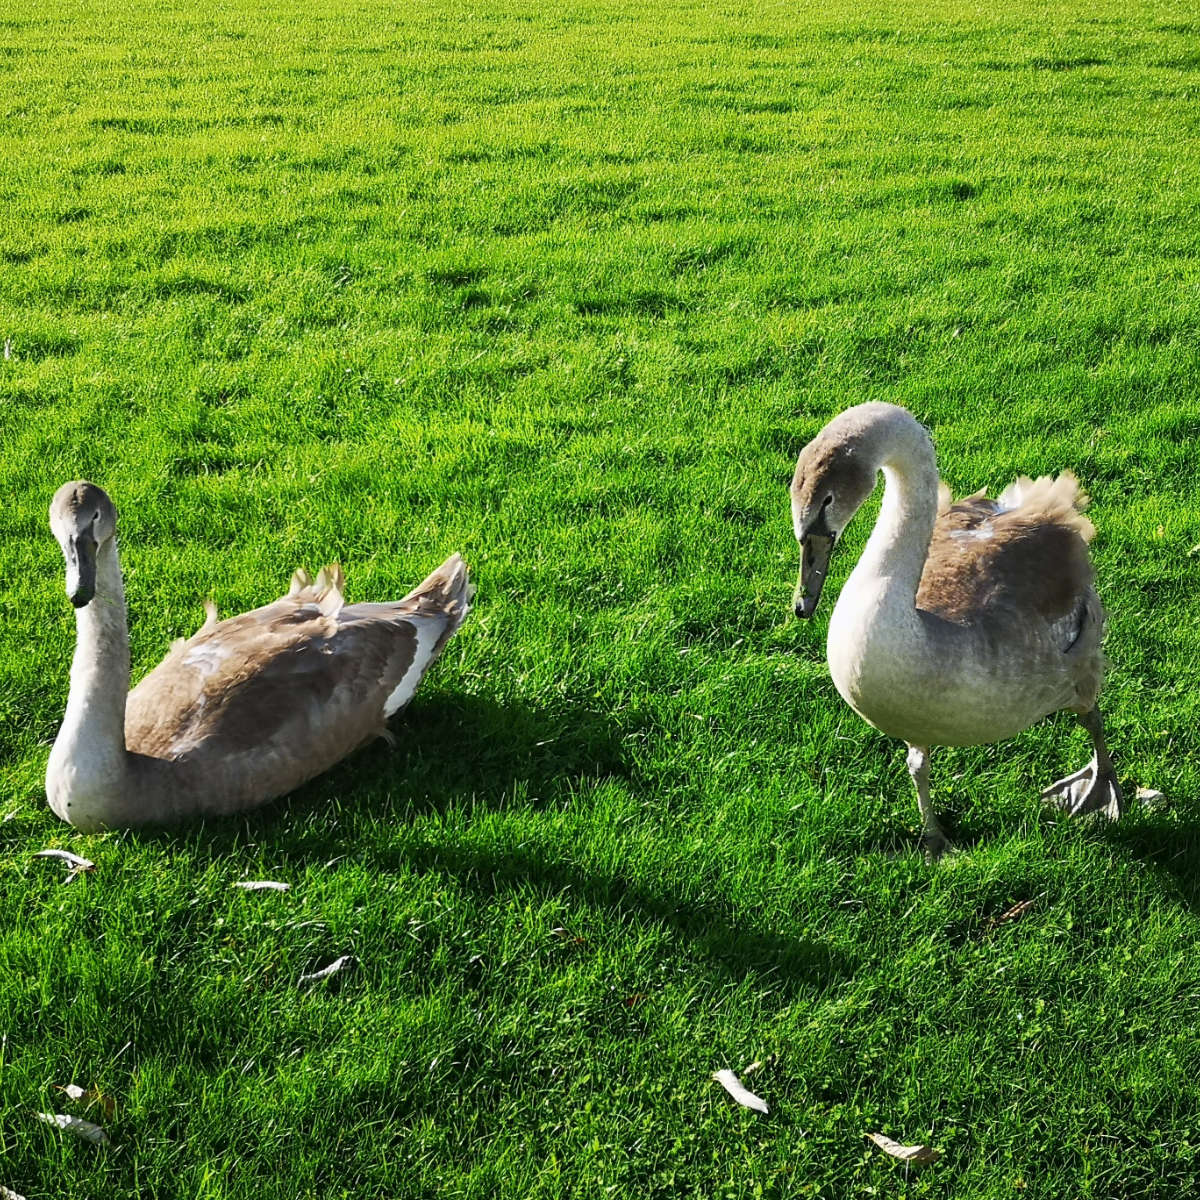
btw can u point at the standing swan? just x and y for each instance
(242, 711)
(963, 623)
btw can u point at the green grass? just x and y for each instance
(567, 292)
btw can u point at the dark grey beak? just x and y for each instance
(81, 569)
(815, 550)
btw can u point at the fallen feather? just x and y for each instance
(1151, 798)
(1016, 912)
(73, 860)
(262, 885)
(77, 864)
(747, 1099)
(338, 964)
(93, 1096)
(918, 1155)
(81, 1129)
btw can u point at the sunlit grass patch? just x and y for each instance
(567, 291)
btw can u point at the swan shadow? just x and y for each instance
(738, 947)
(465, 750)
(445, 750)
(899, 840)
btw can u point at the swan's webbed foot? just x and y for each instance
(1094, 789)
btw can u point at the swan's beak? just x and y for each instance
(815, 550)
(81, 569)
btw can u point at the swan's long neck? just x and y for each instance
(88, 765)
(895, 553)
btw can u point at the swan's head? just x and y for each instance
(835, 473)
(83, 519)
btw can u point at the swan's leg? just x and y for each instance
(1095, 788)
(933, 838)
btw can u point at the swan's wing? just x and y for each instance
(285, 674)
(1023, 556)
(307, 677)
(438, 604)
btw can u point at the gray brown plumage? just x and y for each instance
(962, 623)
(1025, 550)
(246, 709)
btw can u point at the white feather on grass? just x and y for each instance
(918, 1155)
(338, 964)
(78, 865)
(1152, 798)
(747, 1099)
(72, 860)
(81, 1129)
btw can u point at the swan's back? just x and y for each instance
(1021, 558)
(251, 707)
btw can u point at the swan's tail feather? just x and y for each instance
(435, 608)
(447, 591)
(330, 589)
(1049, 500)
(327, 591)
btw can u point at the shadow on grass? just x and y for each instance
(898, 840)
(447, 751)
(1167, 842)
(469, 750)
(1170, 847)
(740, 947)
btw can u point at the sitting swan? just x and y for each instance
(244, 710)
(962, 623)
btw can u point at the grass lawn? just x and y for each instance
(566, 288)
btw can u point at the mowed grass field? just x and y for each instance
(566, 289)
